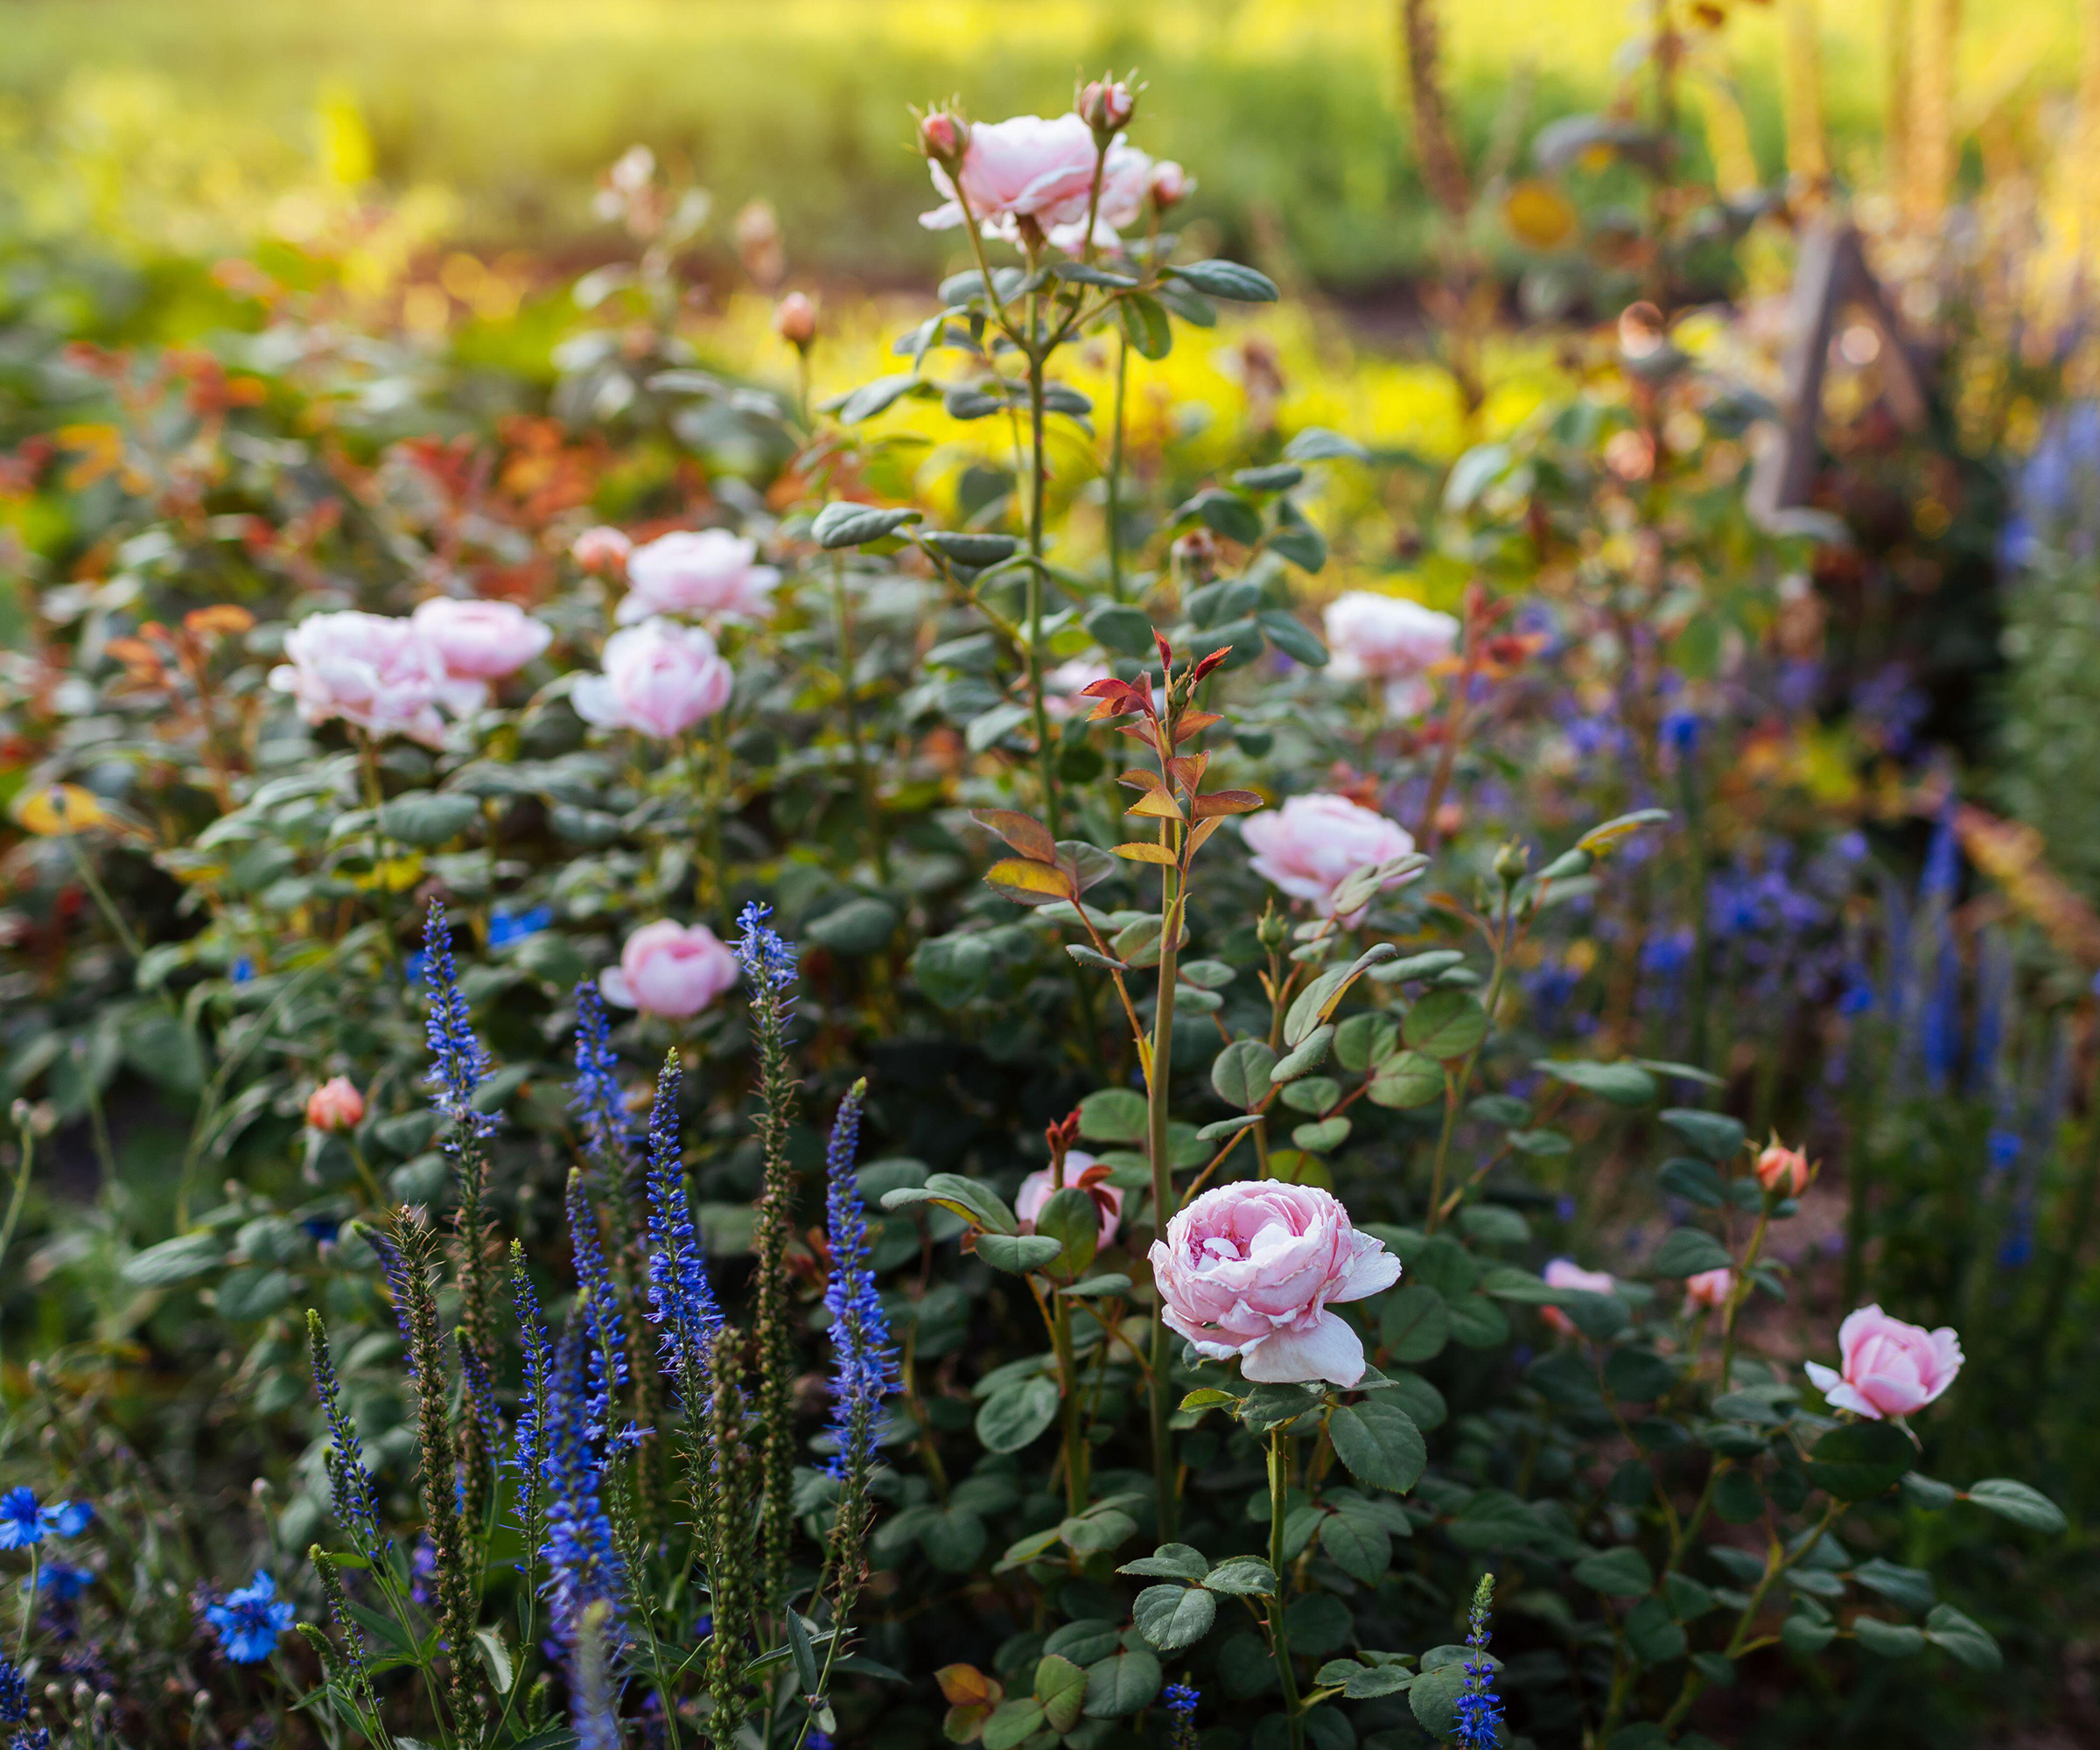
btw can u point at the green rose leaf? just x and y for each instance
(1622, 1084)
(1968, 1641)
(1228, 280)
(1171, 1617)
(854, 525)
(1687, 1251)
(1445, 1024)
(1119, 1685)
(2008, 1499)
(1860, 1459)
(1014, 1415)
(1617, 1573)
(1890, 1639)
(1379, 1443)
(1240, 1072)
(1060, 1691)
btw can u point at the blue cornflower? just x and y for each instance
(62, 1581)
(595, 1093)
(22, 1521)
(242, 970)
(1480, 1710)
(681, 1297)
(818, 1740)
(14, 1693)
(250, 1620)
(583, 1563)
(458, 1061)
(70, 1518)
(506, 927)
(866, 1369)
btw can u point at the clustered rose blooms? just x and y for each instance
(1027, 167)
(660, 679)
(1886, 1366)
(379, 672)
(1388, 638)
(670, 969)
(1312, 844)
(1566, 1273)
(706, 572)
(1250, 1269)
(335, 1105)
(1038, 1188)
(1782, 1170)
(1710, 1288)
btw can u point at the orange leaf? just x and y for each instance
(1138, 779)
(1194, 724)
(1226, 802)
(966, 1686)
(1031, 883)
(1143, 851)
(1156, 804)
(1203, 830)
(1188, 769)
(1027, 834)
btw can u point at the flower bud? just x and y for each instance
(1782, 1170)
(943, 138)
(1171, 185)
(1273, 929)
(1510, 862)
(794, 320)
(1106, 106)
(601, 551)
(335, 1105)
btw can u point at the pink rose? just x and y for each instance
(1710, 1288)
(1171, 183)
(1023, 168)
(1782, 1170)
(335, 1105)
(698, 571)
(379, 672)
(660, 678)
(794, 320)
(1036, 1191)
(1108, 104)
(1126, 179)
(1312, 843)
(669, 969)
(1887, 1367)
(1388, 638)
(481, 641)
(1249, 1269)
(601, 551)
(1566, 1273)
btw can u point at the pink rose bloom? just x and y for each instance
(1887, 1367)
(335, 1105)
(670, 969)
(660, 679)
(1036, 1190)
(379, 673)
(1388, 638)
(1710, 1289)
(698, 571)
(1312, 843)
(1566, 1273)
(601, 551)
(1171, 183)
(481, 641)
(1250, 1270)
(1023, 168)
(1126, 179)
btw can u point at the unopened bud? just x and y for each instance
(1196, 554)
(1107, 106)
(1169, 185)
(602, 551)
(335, 1106)
(943, 138)
(1272, 931)
(1510, 862)
(794, 320)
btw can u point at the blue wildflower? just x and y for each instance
(22, 1521)
(528, 1450)
(458, 1061)
(506, 925)
(595, 1093)
(582, 1563)
(250, 1620)
(597, 1301)
(414, 967)
(62, 1581)
(397, 1268)
(1480, 1710)
(767, 957)
(865, 1371)
(243, 971)
(681, 1297)
(14, 1693)
(349, 1484)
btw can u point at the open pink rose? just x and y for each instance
(1250, 1270)
(660, 678)
(669, 969)
(1022, 168)
(1036, 1191)
(704, 571)
(1887, 1367)
(481, 641)
(379, 673)
(1312, 843)
(1710, 1288)
(1566, 1273)
(1126, 180)
(335, 1105)
(1388, 638)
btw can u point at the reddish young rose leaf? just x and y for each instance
(1027, 834)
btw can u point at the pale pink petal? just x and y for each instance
(1328, 1349)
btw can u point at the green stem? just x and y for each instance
(1037, 474)
(1279, 1639)
(28, 1603)
(1157, 1081)
(104, 904)
(21, 1191)
(383, 896)
(1455, 1086)
(1070, 1405)
(1123, 373)
(863, 777)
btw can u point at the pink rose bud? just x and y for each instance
(379, 672)
(1389, 639)
(942, 137)
(1250, 1270)
(1782, 1170)
(1887, 1367)
(481, 641)
(1036, 1189)
(794, 320)
(602, 551)
(1169, 185)
(1107, 105)
(335, 1105)
(1710, 1288)
(670, 969)
(1566, 1273)
(706, 572)
(660, 679)
(1312, 844)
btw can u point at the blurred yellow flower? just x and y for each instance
(52, 811)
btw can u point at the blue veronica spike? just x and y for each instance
(595, 1093)
(458, 1061)
(528, 1450)
(349, 1483)
(768, 958)
(865, 1369)
(681, 1297)
(582, 1563)
(396, 1269)
(1480, 1710)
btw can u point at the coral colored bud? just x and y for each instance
(601, 551)
(1782, 1170)
(335, 1106)
(1169, 185)
(1710, 1288)
(794, 320)
(943, 137)
(1107, 105)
